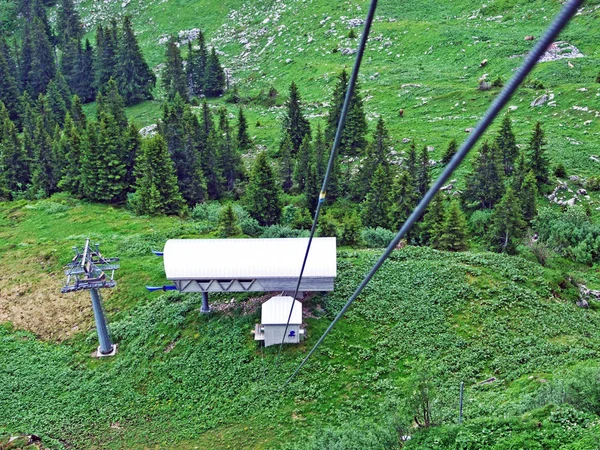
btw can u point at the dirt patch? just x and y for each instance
(39, 307)
(248, 307)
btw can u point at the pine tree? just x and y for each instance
(173, 77)
(180, 130)
(302, 162)
(9, 91)
(214, 76)
(507, 145)
(134, 78)
(484, 184)
(229, 156)
(89, 161)
(206, 124)
(228, 222)
(243, 138)
(312, 186)
(263, 193)
(450, 151)
(132, 146)
(106, 55)
(411, 163)
(321, 157)
(56, 104)
(376, 155)
(294, 122)
(68, 22)
(454, 230)
(156, 189)
(286, 163)
(41, 67)
(63, 89)
(196, 66)
(69, 63)
(433, 222)
(404, 199)
(520, 172)
(85, 83)
(528, 196)
(77, 114)
(71, 150)
(423, 179)
(376, 206)
(111, 103)
(44, 177)
(507, 224)
(537, 155)
(15, 173)
(211, 165)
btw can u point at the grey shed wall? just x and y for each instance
(274, 334)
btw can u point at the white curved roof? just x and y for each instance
(276, 311)
(197, 259)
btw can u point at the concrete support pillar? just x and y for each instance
(106, 347)
(205, 307)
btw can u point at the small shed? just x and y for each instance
(243, 265)
(274, 317)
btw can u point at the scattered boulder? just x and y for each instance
(468, 130)
(582, 303)
(581, 191)
(560, 50)
(529, 38)
(574, 178)
(483, 63)
(485, 86)
(571, 202)
(540, 100)
(405, 140)
(595, 158)
(513, 107)
(149, 131)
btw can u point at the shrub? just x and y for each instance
(593, 183)
(560, 171)
(377, 237)
(498, 82)
(480, 221)
(207, 212)
(251, 227)
(280, 231)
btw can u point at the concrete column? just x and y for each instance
(205, 307)
(106, 346)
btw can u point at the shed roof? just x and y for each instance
(276, 311)
(198, 259)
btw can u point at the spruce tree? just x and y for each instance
(404, 199)
(106, 56)
(528, 196)
(85, 84)
(433, 222)
(321, 153)
(56, 104)
(9, 91)
(111, 103)
(520, 172)
(507, 224)
(286, 163)
(228, 222)
(132, 146)
(77, 114)
(41, 67)
(173, 77)
(211, 165)
(89, 161)
(63, 89)
(71, 150)
(68, 23)
(214, 76)
(450, 151)
(376, 206)
(454, 230)
(156, 188)
(44, 178)
(537, 155)
(231, 166)
(134, 78)
(423, 179)
(312, 185)
(69, 63)
(14, 164)
(484, 184)
(302, 162)
(376, 155)
(196, 66)
(507, 145)
(294, 122)
(242, 137)
(263, 193)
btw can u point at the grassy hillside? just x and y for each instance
(186, 380)
(424, 59)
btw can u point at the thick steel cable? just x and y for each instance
(554, 29)
(333, 154)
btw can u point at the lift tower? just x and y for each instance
(88, 270)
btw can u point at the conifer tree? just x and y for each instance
(229, 156)
(423, 179)
(228, 222)
(9, 91)
(63, 89)
(134, 78)
(156, 188)
(40, 67)
(106, 55)
(404, 199)
(68, 23)
(520, 172)
(196, 66)
(14, 164)
(302, 162)
(450, 151)
(537, 155)
(528, 196)
(27, 114)
(263, 193)
(69, 63)
(321, 157)
(484, 184)
(77, 114)
(507, 145)
(507, 224)
(376, 155)
(89, 161)
(44, 178)
(312, 186)
(242, 137)
(433, 222)
(44, 115)
(111, 103)
(132, 146)
(214, 76)
(376, 206)
(173, 77)
(85, 83)
(56, 104)
(286, 163)
(294, 122)
(454, 230)
(211, 165)
(206, 124)
(411, 165)
(71, 150)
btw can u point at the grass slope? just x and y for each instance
(185, 380)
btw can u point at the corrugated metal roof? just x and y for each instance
(276, 311)
(196, 259)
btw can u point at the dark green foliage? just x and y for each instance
(15, 173)
(105, 62)
(196, 66)
(214, 76)
(242, 137)
(454, 230)
(71, 150)
(68, 23)
(37, 59)
(9, 91)
(173, 77)
(528, 197)
(404, 199)
(211, 164)
(423, 178)
(353, 138)
(57, 107)
(134, 78)
(263, 193)
(69, 64)
(294, 122)
(450, 151)
(180, 130)
(560, 171)
(302, 162)
(156, 187)
(228, 222)
(110, 103)
(230, 160)
(520, 172)
(433, 222)
(312, 185)
(84, 86)
(598, 78)
(376, 206)
(507, 224)
(77, 114)
(45, 176)
(506, 144)
(286, 163)
(377, 237)
(536, 154)
(570, 233)
(376, 155)
(484, 185)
